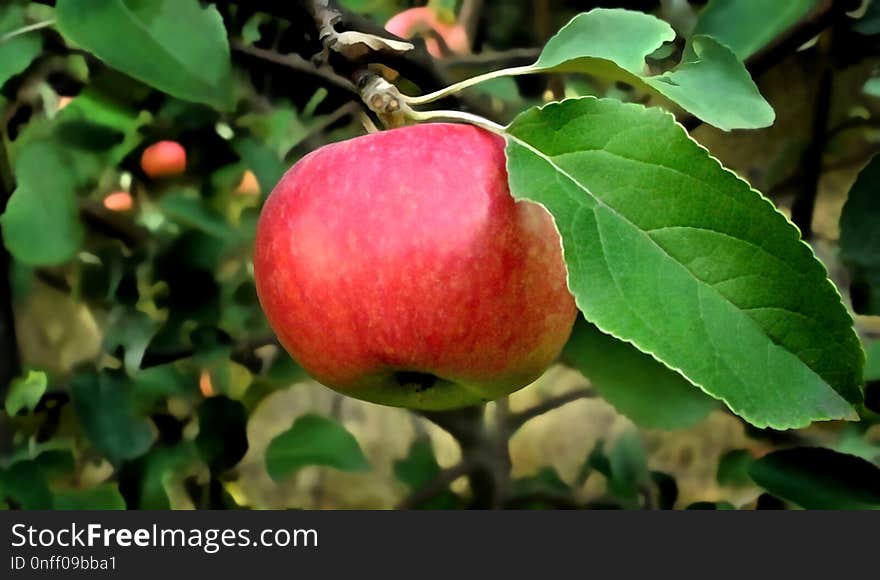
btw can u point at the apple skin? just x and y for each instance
(164, 159)
(396, 268)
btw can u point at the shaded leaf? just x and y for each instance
(222, 439)
(818, 478)
(733, 468)
(314, 440)
(23, 486)
(860, 238)
(638, 386)
(104, 405)
(101, 497)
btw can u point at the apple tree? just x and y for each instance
(673, 202)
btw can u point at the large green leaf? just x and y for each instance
(314, 440)
(638, 386)
(747, 26)
(105, 406)
(669, 251)
(41, 224)
(176, 46)
(710, 82)
(860, 238)
(16, 53)
(817, 478)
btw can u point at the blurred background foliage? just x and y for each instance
(140, 373)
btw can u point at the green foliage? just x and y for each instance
(817, 478)
(641, 388)
(41, 223)
(860, 238)
(314, 440)
(222, 439)
(101, 497)
(174, 45)
(26, 392)
(733, 467)
(16, 52)
(755, 27)
(710, 82)
(664, 246)
(419, 469)
(105, 406)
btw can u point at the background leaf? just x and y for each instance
(641, 388)
(667, 250)
(222, 439)
(817, 478)
(314, 440)
(174, 45)
(41, 223)
(710, 82)
(747, 26)
(101, 497)
(16, 53)
(860, 238)
(26, 392)
(105, 405)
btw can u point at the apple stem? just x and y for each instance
(459, 116)
(467, 83)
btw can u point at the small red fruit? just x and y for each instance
(424, 21)
(397, 268)
(164, 159)
(118, 201)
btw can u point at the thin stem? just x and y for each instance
(517, 420)
(443, 480)
(467, 83)
(459, 116)
(25, 29)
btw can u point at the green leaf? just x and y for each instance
(187, 208)
(104, 404)
(638, 386)
(872, 367)
(41, 224)
(733, 468)
(222, 439)
(174, 45)
(747, 26)
(710, 82)
(101, 497)
(314, 440)
(18, 52)
(420, 467)
(817, 478)
(132, 331)
(628, 464)
(23, 485)
(26, 392)
(669, 251)
(860, 238)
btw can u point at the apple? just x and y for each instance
(248, 184)
(118, 201)
(164, 159)
(396, 268)
(421, 20)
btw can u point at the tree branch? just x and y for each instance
(443, 480)
(517, 420)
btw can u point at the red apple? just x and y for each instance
(424, 20)
(164, 159)
(397, 268)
